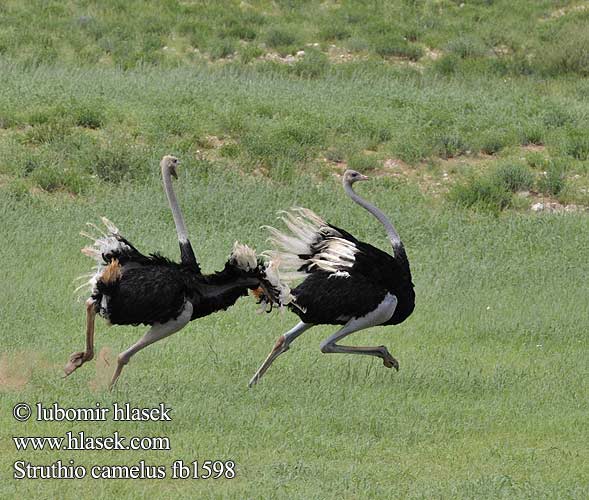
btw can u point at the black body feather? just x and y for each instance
(153, 289)
(325, 298)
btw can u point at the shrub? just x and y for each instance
(447, 64)
(88, 117)
(391, 44)
(221, 47)
(449, 145)
(48, 177)
(554, 181)
(17, 189)
(467, 47)
(357, 45)
(537, 160)
(334, 31)
(239, 31)
(513, 177)
(568, 53)
(313, 64)
(576, 144)
(480, 192)
(533, 133)
(229, 151)
(362, 163)
(248, 53)
(335, 155)
(293, 142)
(46, 133)
(115, 163)
(493, 141)
(280, 37)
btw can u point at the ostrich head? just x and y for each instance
(351, 176)
(169, 163)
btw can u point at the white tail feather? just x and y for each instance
(310, 243)
(277, 281)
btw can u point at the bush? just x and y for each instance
(46, 133)
(394, 45)
(221, 48)
(48, 177)
(536, 160)
(447, 65)
(115, 163)
(357, 45)
(287, 143)
(229, 151)
(88, 117)
(493, 141)
(335, 155)
(554, 181)
(313, 64)
(481, 192)
(449, 145)
(533, 133)
(280, 37)
(467, 47)
(17, 189)
(513, 177)
(576, 144)
(362, 163)
(334, 31)
(248, 53)
(568, 53)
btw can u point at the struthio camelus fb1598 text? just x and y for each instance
(345, 281)
(130, 288)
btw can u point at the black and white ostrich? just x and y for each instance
(129, 288)
(346, 281)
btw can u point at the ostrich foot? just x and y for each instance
(77, 359)
(388, 360)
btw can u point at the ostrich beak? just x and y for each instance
(173, 172)
(364, 178)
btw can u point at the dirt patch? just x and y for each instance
(535, 148)
(432, 54)
(104, 367)
(287, 59)
(340, 55)
(214, 142)
(16, 369)
(567, 10)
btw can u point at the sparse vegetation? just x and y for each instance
(483, 192)
(513, 177)
(553, 180)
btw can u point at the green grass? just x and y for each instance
(110, 126)
(452, 107)
(488, 401)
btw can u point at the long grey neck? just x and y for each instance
(382, 218)
(176, 213)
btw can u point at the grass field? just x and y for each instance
(465, 113)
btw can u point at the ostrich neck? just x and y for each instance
(382, 218)
(186, 252)
(176, 213)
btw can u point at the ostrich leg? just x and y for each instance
(282, 345)
(380, 315)
(157, 332)
(77, 359)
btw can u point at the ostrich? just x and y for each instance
(346, 281)
(129, 288)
